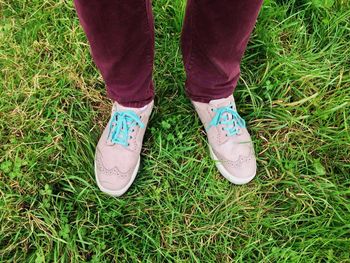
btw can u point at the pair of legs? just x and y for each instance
(214, 37)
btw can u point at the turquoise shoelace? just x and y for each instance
(231, 125)
(121, 125)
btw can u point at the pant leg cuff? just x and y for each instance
(127, 102)
(207, 99)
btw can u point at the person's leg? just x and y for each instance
(121, 37)
(214, 38)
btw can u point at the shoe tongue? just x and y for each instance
(223, 102)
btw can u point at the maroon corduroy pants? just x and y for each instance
(121, 37)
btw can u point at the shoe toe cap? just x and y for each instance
(238, 171)
(244, 167)
(112, 180)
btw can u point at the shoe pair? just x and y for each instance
(117, 158)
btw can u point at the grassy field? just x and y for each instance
(294, 93)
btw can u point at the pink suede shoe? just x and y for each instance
(230, 144)
(117, 157)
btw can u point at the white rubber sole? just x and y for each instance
(233, 179)
(118, 193)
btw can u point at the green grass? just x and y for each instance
(294, 93)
